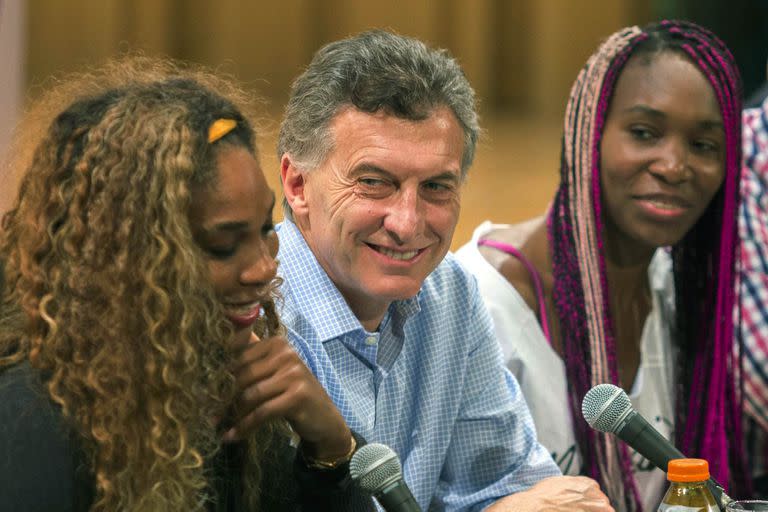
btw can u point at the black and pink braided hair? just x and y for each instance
(708, 398)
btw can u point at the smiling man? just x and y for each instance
(378, 136)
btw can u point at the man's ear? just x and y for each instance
(293, 185)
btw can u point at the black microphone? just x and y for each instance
(376, 468)
(607, 408)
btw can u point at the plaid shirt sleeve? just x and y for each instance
(753, 280)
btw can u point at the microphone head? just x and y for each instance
(374, 466)
(605, 406)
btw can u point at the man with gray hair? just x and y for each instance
(378, 136)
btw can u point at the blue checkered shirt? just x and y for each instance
(430, 383)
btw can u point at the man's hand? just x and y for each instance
(557, 494)
(274, 382)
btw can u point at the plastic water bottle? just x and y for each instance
(688, 491)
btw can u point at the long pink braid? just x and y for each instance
(713, 429)
(580, 301)
(581, 290)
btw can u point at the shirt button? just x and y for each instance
(370, 341)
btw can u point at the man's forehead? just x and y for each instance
(349, 111)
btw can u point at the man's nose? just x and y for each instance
(405, 219)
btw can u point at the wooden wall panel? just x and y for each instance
(564, 34)
(512, 58)
(517, 53)
(262, 46)
(12, 43)
(64, 36)
(472, 40)
(410, 17)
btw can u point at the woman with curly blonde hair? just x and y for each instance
(142, 364)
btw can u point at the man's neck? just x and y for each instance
(370, 315)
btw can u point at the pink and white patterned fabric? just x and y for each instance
(753, 281)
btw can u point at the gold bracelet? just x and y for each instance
(333, 464)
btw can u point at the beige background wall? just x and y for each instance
(12, 54)
(532, 47)
(520, 55)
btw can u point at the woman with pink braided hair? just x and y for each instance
(629, 277)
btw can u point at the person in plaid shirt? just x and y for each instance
(753, 288)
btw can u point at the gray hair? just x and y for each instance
(373, 71)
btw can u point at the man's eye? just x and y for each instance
(371, 182)
(374, 188)
(436, 187)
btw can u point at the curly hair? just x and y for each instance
(106, 293)
(708, 402)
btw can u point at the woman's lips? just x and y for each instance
(243, 315)
(664, 207)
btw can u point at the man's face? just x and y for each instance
(380, 211)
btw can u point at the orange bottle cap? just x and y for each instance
(687, 470)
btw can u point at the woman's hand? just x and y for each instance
(274, 382)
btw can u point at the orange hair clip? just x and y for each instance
(220, 128)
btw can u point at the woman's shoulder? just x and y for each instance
(517, 233)
(516, 248)
(28, 417)
(41, 464)
(21, 390)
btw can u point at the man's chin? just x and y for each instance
(397, 292)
